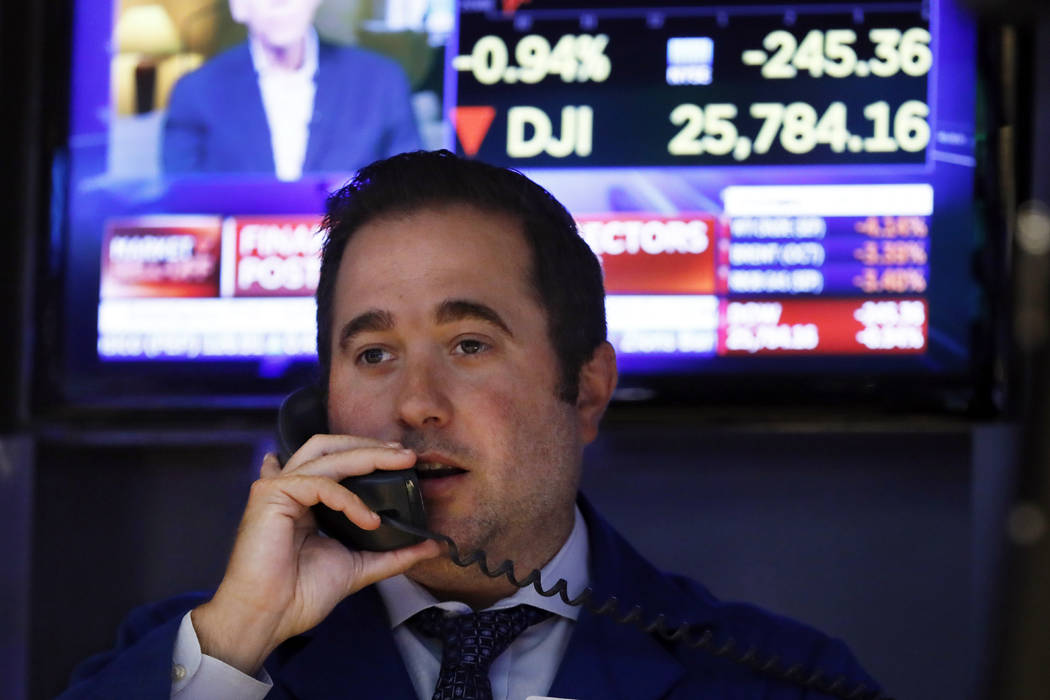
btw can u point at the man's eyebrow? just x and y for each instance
(452, 310)
(373, 320)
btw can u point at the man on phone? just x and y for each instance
(461, 330)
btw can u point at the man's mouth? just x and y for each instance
(436, 470)
(440, 479)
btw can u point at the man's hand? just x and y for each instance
(283, 578)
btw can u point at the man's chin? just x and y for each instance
(456, 524)
(447, 581)
(442, 575)
(442, 571)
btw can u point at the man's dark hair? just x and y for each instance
(565, 273)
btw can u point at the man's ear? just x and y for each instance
(597, 382)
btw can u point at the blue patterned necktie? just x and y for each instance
(470, 643)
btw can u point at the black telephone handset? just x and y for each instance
(394, 494)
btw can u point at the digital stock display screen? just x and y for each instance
(696, 86)
(757, 179)
(771, 188)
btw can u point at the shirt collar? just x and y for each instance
(404, 598)
(264, 67)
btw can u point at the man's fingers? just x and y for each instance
(377, 566)
(362, 460)
(271, 467)
(321, 445)
(294, 493)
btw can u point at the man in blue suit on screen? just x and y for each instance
(461, 330)
(285, 103)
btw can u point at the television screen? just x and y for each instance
(774, 189)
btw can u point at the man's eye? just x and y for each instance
(471, 346)
(372, 356)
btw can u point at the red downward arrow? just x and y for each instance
(472, 124)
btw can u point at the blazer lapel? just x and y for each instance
(350, 655)
(240, 91)
(326, 106)
(606, 659)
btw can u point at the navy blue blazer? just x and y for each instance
(352, 653)
(216, 121)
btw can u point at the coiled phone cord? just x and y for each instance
(837, 687)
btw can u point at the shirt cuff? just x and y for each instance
(197, 676)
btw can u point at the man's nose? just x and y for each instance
(423, 399)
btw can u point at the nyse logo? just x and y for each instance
(530, 132)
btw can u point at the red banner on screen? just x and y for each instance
(161, 256)
(823, 326)
(653, 254)
(271, 256)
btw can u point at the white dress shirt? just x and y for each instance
(288, 100)
(526, 669)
